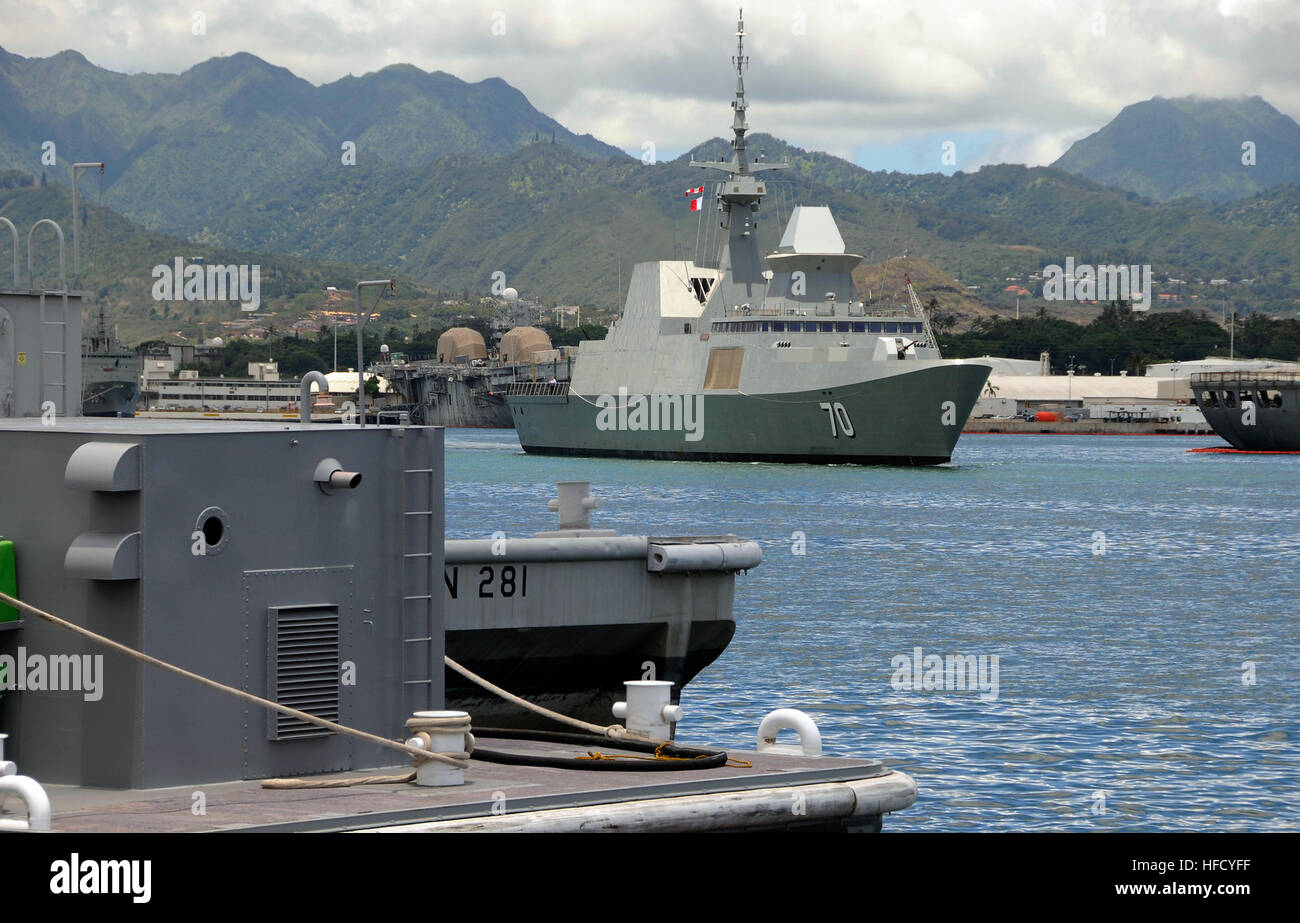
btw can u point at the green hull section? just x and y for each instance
(912, 418)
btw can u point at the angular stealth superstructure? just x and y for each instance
(765, 357)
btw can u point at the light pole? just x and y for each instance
(380, 284)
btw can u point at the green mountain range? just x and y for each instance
(458, 186)
(1214, 149)
(182, 146)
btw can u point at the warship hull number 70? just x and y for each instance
(755, 358)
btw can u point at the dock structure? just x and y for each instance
(774, 792)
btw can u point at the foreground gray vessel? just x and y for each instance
(766, 358)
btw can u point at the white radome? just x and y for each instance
(510, 294)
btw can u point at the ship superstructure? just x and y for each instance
(771, 357)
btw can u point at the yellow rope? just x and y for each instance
(658, 755)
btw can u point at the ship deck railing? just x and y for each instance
(820, 310)
(1245, 377)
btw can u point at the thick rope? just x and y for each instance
(455, 760)
(612, 730)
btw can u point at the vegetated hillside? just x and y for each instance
(181, 146)
(118, 257)
(562, 226)
(1193, 146)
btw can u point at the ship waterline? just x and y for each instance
(910, 418)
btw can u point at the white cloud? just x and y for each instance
(830, 74)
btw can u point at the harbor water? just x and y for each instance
(1140, 601)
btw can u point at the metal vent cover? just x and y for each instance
(302, 668)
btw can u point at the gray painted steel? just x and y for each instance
(775, 352)
(110, 374)
(899, 419)
(444, 394)
(40, 352)
(1253, 411)
(564, 620)
(283, 544)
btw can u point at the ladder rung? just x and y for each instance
(418, 471)
(416, 682)
(416, 640)
(408, 598)
(420, 513)
(418, 554)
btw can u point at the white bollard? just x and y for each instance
(649, 709)
(810, 739)
(433, 772)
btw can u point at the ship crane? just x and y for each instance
(927, 340)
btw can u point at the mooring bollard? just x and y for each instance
(649, 709)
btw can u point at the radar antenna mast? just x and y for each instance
(742, 186)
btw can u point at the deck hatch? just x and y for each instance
(302, 668)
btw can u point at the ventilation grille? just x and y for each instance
(303, 669)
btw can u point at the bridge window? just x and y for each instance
(875, 327)
(778, 326)
(859, 327)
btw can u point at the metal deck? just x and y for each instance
(497, 793)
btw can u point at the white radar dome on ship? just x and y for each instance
(510, 294)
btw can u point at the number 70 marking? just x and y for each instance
(840, 422)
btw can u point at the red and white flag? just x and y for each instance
(697, 204)
(699, 190)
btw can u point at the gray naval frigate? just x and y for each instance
(757, 357)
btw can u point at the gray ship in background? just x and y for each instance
(767, 357)
(110, 374)
(464, 384)
(1254, 409)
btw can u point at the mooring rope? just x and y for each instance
(456, 760)
(612, 730)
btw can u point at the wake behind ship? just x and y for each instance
(758, 358)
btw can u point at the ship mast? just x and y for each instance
(742, 188)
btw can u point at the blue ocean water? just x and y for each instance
(1142, 602)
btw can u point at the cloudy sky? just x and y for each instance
(882, 83)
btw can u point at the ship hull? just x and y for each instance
(108, 398)
(464, 396)
(1256, 413)
(577, 671)
(582, 617)
(910, 418)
